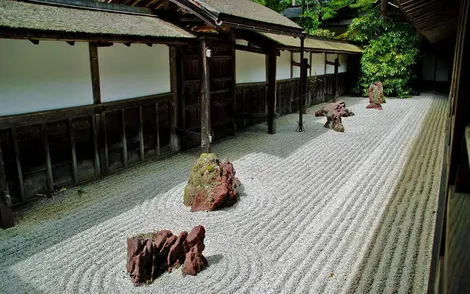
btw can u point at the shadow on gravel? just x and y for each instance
(34, 234)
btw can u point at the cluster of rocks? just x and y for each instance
(212, 184)
(376, 96)
(150, 255)
(333, 113)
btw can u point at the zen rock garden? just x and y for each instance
(376, 96)
(212, 184)
(150, 255)
(333, 113)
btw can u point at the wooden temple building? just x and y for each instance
(90, 88)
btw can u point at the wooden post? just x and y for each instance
(234, 82)
(303, 80)
(73, 151)
(271, 71)
(95, 73)
(205, 100)
(49, 176)
(324, 78)
(335, 85)
(141, 135)
(124, 138)
(6, 213)
(175, 144)
(19, 170)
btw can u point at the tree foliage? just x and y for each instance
(389, 44)
(390, 51)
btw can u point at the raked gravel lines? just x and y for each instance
(320, 212)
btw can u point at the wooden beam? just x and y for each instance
(95, 73)
(50, 180)
(175, 144)
(6, 213)
(205, 101)
(73, 151)
(271, 91)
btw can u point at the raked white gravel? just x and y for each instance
(320, 212)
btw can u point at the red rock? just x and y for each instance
(195, 261)
(140, 255)
(150, 255)
(177, 255)
(333, 113)
(376, 96)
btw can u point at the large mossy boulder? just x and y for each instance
(212, 184)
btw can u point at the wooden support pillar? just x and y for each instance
(234, 83)
(6, 213)
(205, 100)
(49, 176)
(324, 78)
(14, 138)
(335, 85)
(175, 144)
(303, 81)
(271, 71)
(95, 73)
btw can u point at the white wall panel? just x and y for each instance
(283, 66)
(318, 66)
(135, 71)
(47, 76)
(250, 67)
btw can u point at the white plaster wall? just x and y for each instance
(318, 64)
(343, 61)
(250, 67)
(41, 77)
(283, 66)
(135, 71)
(296, 58)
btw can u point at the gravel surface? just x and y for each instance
(320, 212)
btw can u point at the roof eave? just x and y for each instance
(31, 34)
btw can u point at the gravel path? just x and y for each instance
(320, 212)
